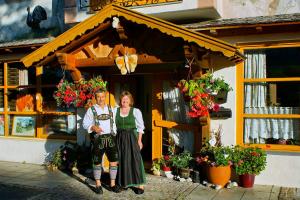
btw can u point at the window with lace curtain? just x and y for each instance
(271, 100)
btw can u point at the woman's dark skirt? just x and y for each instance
(131, 169)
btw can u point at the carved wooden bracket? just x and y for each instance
(68, 62)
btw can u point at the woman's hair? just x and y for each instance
(126, 93)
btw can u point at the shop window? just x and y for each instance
(59, 125)
(22, 125)
(21, 100)
(271, 88)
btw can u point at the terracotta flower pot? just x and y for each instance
(247, 180)
(218, 175)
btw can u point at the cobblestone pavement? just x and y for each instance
(32, 182)
(156, 188)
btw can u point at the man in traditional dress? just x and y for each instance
(98, 121)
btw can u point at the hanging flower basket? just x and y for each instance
(78, 95)
(220, 97)
(204, 94)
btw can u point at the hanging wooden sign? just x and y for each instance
(98, 4)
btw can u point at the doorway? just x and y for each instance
(140, 86)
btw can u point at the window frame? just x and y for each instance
(240, 83)
(38, 111)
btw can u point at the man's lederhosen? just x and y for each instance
(105, 143)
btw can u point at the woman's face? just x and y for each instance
(125, 102)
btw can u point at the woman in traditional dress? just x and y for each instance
(130, 128)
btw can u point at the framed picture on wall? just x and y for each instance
(23, 126)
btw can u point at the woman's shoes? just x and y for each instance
(138, 190)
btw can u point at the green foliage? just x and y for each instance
(181, 160)
(205, 84)
(56, 158)
(216, 155)
(156, 165)
(249, 160)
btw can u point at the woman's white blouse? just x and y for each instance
(139, 122)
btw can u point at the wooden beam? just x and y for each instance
(100, 62)
(67, 61)
(75, 43)
(88, 52)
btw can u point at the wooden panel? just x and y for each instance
(39, 100)
(156, 116)
(239, 103)
(6, 120)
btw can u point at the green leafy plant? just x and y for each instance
(181, 160)
(249, 160)
(200, 93)
(156, 165)
(215, 156)
(56, 159)
(213, 152)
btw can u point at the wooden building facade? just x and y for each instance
(90, 48)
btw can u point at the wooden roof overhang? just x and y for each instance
(64, 44)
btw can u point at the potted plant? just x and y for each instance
(216, 158)
(55, 160)
(248, 162)
(165, 164)
(156, 167)
(203, 94)
(181, 163)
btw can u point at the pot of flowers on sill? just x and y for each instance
(248, 162)
(204, 94)
(181, 163)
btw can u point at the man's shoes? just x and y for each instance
(138, 190)
(98, 190)
(116, 189)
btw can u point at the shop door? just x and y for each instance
(140, 88)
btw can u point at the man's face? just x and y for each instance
(100, 98)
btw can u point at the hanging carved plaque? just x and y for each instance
(98, 4)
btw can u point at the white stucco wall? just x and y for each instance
(252, 8)
(228, 125)
(27, 150)
(282, 167)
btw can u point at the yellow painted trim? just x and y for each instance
(38, 100)
(90, 23)
(269, 44)
(246, 26)
(239, 101)
(240, 81)
(157, 106)
(275, 147)
(257, 80)
(287, 116)
(5, 92)
(171, 124)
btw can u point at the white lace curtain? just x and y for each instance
(257, 130)
(175, 110)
